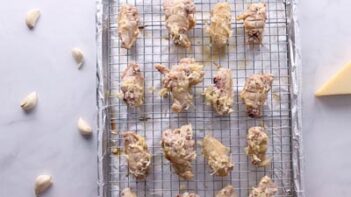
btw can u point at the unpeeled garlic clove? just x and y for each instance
(32, 17)
(78, 56)
(42, 183)
(30, 101)
(84, 127)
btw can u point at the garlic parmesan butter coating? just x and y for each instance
(179, 16)
(178, 147)
(257, 145)
(132, 86)
(128, 25)
(138, 155)
(220, 94)
(254, 22)
(179, 80)
(254, 93)
(220, 25)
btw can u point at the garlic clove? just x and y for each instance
(30, 101)
(84, 127)
(42, 183)
(32, 17)
(78, 56)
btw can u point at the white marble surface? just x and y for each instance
(47, 140)
(325, 34)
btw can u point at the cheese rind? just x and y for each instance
(339, 84)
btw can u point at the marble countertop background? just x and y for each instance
(47, 140)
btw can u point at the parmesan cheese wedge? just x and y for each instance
(339, 84)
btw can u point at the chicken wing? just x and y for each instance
(220, 94)
(179, 80)
(138, 155)
(265, 188)
(186, 194)
(254, 21)
(217, 156)
(128, 25)
(227, 191)
(132, 86)
(178, 147)
(127, 192)
(255, 92)
(179, 20)
(220, 25)
(257, 144)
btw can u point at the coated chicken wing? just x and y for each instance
(265, 188)
(217, 156)
(257, 144)
(179, 20)
(227, 191)
(220, 25)
(128, 25)
(127, 192)
(255, 92)
(220, 94)
(186, 194)
(138, 155)
(179, 80)
(178, 147)
(254, 21)
(132, 86)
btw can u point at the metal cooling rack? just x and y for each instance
(276, 56)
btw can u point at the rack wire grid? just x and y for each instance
(150, 120)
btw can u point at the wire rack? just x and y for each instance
(153, 46)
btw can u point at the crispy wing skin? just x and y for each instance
(217, 156)
(127, 192)
(128, 25)
(254, 21)
(255, 92)
(178, 147)
(186, 194)
(179, 80)
(179, 20)
(257, 144)
(138, 155)
(220, 25)
(220, 94)
(227, 191)
(266, 188)
(132, 86)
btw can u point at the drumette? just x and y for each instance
(132, 86)
(217, 156)
(227, 191)
(127, 192)
(128, 25)
(220, 24)
(178, 147)
(187, 194)
(254, 21)
(254, 93)
(257, 145)
(138, 155)
(265, 188)
(179, 20)
(220, 94)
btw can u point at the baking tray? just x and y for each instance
(279, 55)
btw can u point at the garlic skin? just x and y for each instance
(30, 101)
(32, 17)
(78, 56)
(84, 127)
(42, 183)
